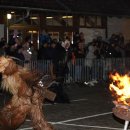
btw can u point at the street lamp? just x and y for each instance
(9, 16)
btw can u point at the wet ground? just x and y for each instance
(90, 109)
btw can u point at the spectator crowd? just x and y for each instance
(51, 49)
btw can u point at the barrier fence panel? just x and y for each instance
(85, 69)
(40, 66)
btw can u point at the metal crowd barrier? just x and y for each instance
(85, 69)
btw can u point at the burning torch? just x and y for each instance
(120, 89)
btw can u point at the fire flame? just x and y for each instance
(120, 88)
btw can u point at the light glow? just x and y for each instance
(65, 17)
(49, 17)
(9, 16)
(33, 17)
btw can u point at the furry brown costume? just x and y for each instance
(27, 99)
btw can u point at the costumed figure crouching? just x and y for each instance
(27, 97)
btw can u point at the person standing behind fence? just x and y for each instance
(26, 50)
(89, 58)
(2, 46)
(79, 54)
(44, 38)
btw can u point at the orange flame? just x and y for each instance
(120, 87)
